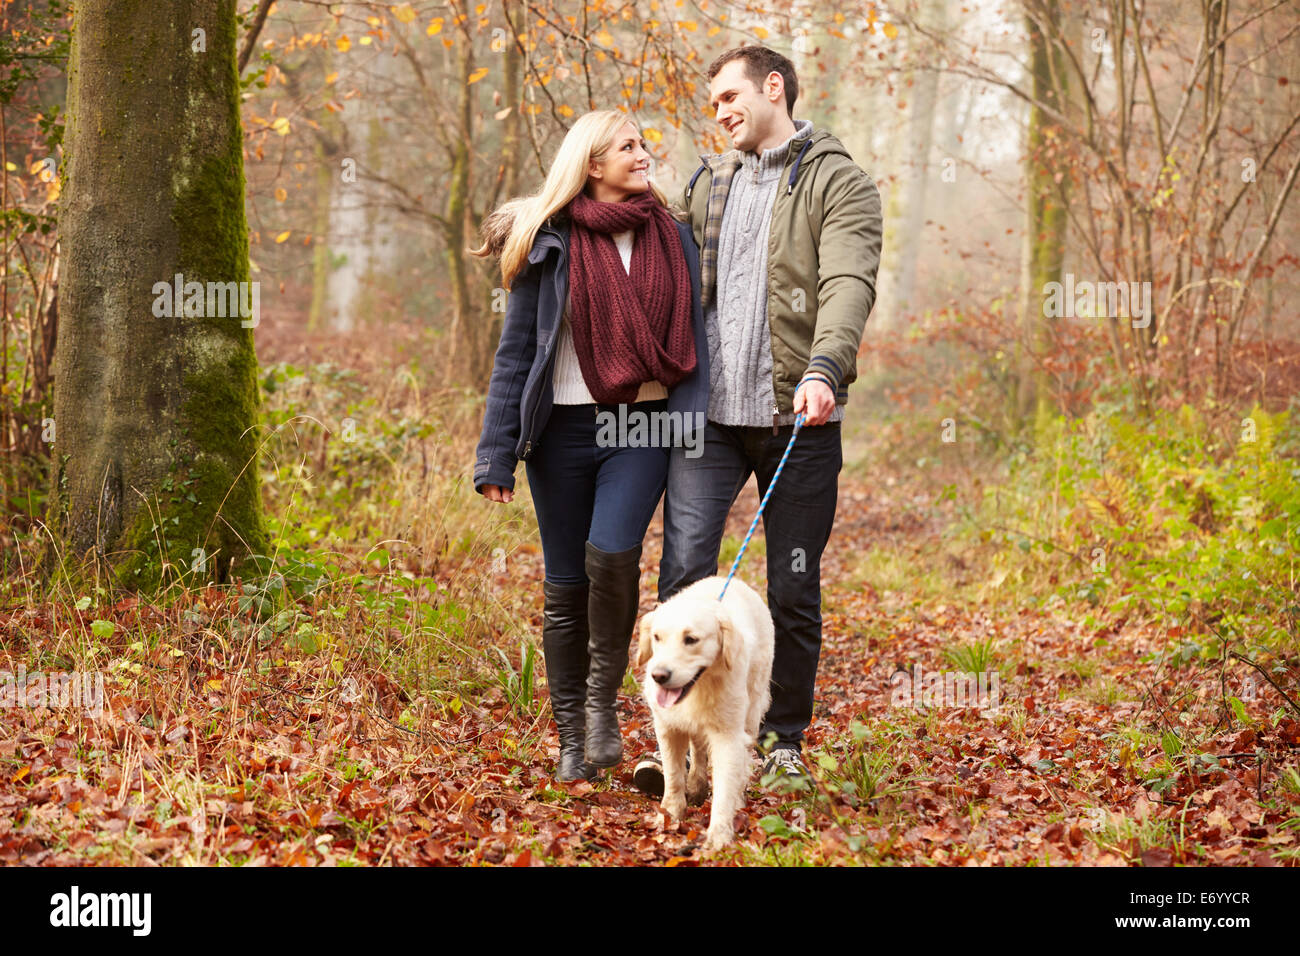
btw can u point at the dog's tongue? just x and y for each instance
(667, 696)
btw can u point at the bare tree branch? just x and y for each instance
(250, 41)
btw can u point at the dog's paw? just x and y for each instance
(697, 791)
(674, 808)
(716, 841)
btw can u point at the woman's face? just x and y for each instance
(625, 169)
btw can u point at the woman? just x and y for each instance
(604, 311)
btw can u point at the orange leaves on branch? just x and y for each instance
(343, 44)
(434, 27)
(477, 75)
(404, 12)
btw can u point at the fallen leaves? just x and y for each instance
(272, 767)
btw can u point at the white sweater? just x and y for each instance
(569, 386)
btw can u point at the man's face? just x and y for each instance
(744, 111)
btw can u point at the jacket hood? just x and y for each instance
(824, 143)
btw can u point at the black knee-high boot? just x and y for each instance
(611, 614)
(564, 644)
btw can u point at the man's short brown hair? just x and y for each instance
(759, 62)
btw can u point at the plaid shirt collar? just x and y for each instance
(722, 169)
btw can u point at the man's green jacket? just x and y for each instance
(823, 254)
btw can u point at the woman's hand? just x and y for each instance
(497, 493)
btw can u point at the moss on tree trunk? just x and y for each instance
(155, 415)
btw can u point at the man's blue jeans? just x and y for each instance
(797, 525)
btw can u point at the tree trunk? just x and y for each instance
(156, 400)
(467, 352)
(360, 228)
(328, 175)
(920, 137)
(512, 133)
(1046, 215)
(321, 259)
(512, 161)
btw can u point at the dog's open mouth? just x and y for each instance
(668, 696)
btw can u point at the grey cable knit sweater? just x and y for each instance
(740, 344)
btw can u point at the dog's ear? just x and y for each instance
(645, 646)
(726, 639)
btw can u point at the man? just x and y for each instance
(789, 230)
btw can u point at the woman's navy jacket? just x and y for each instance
(520, 396)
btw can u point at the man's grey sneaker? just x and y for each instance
(648, 776)
(784, 762)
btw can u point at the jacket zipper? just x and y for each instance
(550, 358)
(779, 194)
(775, 412)
(528, 445)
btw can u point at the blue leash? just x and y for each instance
(798, 423)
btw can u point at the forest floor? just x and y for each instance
(393, 716)
(227, 754)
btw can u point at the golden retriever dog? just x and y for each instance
(708, 667)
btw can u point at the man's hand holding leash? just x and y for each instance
(813, 397)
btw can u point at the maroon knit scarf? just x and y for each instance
(628, 328)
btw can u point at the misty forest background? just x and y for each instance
(319, 644)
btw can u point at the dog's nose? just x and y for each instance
(661, 676)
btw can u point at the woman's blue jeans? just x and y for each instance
(587, 487)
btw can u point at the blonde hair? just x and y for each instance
(510, 230)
